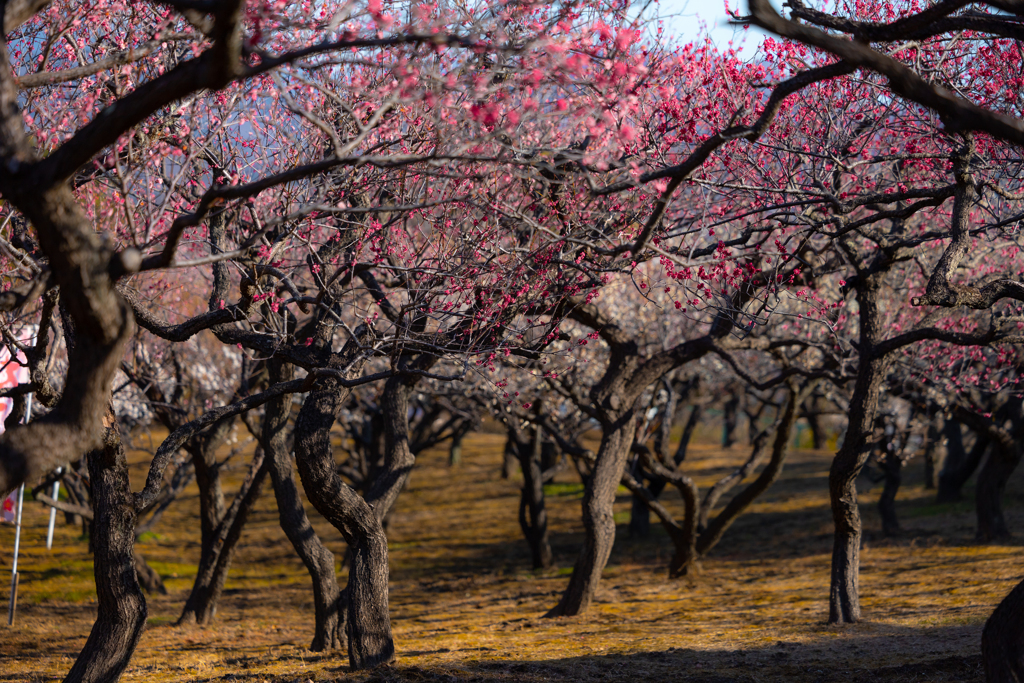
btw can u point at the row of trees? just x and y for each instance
(219, 207)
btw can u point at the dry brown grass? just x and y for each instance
(466, 608)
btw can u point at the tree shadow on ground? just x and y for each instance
(894, 655)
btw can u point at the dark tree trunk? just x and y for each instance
(149, 579)
(213, 526)
(368, 626)
(639, 510)
(934, 454)
(121, 607)
(598, 518)
(684, 536)
(508, 461)
(329, 627)
(211, 493)
(201, 605)
(758, 452)
(730, 416)
(892, 468)
(691, 425)
(455, 452)
(531, 499)
(960, 465)
(844, 592)
(1001, 463)
(819, 439)
(783, 430)
(397, 457)
(1002, 641)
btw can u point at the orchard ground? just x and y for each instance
(466, 607)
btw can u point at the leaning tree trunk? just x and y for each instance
(783, 430)
(684, 536)
(397, 460)
(691, 425)
(531, 500)
(1002, 641)
(201, 605)
(368, 626)
(202, 449)
(598, 518)
(121, 607)
(1001, 463)
(329, 625)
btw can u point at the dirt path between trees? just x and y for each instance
(465, 606)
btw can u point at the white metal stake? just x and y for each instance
(53, 511)
(14, 568)
(17, 534)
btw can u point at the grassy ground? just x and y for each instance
(466, 607)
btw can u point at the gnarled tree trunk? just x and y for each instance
(121, 607)
(368, 627)
(598, 518)
(329, 623)
(531, 500)
(201, 605)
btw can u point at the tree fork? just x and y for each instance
(370, 642)
(329, 627)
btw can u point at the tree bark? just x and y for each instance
(598, 517)
(934, 454)
(639, 510)
(684, 536)
(329, 626)
(892, 468)
(121, 606)
(398, 458)
(783, 430)
(818, 437)
(201, 606)
(148, 577)
(758, 452)
(1001, 463)
(844, 591)
(730, 415)
(531, 500)
(960, 465)
(1002, 641)
(508, 460)
(691, 425)
(368, 627)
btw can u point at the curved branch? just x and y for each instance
(179, 436)
(956, 113)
